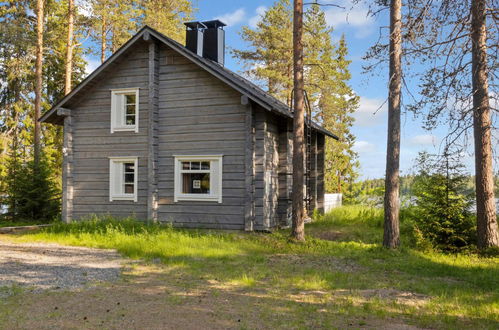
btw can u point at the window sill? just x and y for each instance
(192, 198)
(132, 198)
(125, 129)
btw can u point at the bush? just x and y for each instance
(29, 192)
(442, 216)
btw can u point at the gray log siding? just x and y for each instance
(285, 174)
(152, 195)
(320, 172)
(93, 142)
(313, 173)
(200, 115)
(183, 110)
(67, 167)
(271, 172)
(249, 212)
(259, 163)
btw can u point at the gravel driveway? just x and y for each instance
(52, 266)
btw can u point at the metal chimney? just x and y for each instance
(194, 37)
(214, 41)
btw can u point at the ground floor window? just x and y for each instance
(198, 178)
(123, 178)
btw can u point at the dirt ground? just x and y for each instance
(49, 286)
(153, 296)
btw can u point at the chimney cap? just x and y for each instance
(214, 23)
(195, 25)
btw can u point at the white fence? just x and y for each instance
(331, 201)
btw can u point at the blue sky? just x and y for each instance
(361, 32)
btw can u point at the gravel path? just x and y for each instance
(52, 266)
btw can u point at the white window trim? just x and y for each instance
(114, 110)
(123, 197)
(213, 196)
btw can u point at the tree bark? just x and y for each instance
(298, 226)
(391, 236)
(38, 83)
(69, 48)
(103, 41)
(485, 202)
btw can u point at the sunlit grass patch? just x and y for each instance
(344, 275)
(244, 281)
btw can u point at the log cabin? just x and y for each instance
(164, 132)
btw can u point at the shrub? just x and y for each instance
(29, 192)
(442, 216)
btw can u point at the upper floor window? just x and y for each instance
(125, 110)
(198, 178)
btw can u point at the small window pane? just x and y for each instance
(186, 165)
(196, 183)
(130, 99)
(130, 109)
(129, 167)
(130, 119)
(205, 165)
(195, 166)
(129, 188)
(129, 178)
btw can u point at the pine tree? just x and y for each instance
(327, 88)
(113, 22)
(38, 80)
(298, 224)
(69, 48)
(269, 60)
(17, 63)
(391, 235)
(166, 16)
(458, 86)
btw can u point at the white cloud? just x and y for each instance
(353, 15)
(364, 147)
(233, 18)
(260, 11)
(371, 112)
(423, 140)
(84, 7)
(92, 64)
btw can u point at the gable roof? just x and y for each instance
(234, 80)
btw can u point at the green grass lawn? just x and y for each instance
(340, 277)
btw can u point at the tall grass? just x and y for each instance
(462, 288)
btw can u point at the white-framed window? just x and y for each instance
(125, 110)
(198, 178)
(123, 175)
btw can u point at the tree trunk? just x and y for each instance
(103, 41)
(38, 84)
(298, 228)
(69, 48)
(485, 203)
(391, 235)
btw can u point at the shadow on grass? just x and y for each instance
(312, 284)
